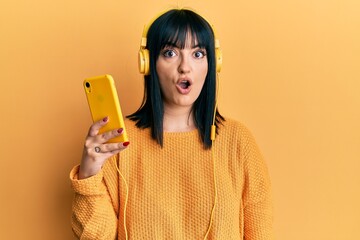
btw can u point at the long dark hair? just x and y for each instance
(172, 28)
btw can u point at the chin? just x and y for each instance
(185, 103)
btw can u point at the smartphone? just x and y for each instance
(103, 101)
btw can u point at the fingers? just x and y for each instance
(111, 147)
(94, 129)
(106, 136)
(94, 135)
(96, 145)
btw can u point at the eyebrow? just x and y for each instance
(170, 44)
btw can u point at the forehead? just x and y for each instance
(188, 41)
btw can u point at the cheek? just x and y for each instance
(201, 76)
(160, 72)
(163, 77)
(203, 72)
(204, 67)
(162, 69)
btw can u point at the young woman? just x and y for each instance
(174, 181)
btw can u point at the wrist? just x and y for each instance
(85, 172)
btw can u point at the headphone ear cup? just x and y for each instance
(218, 58)
(144, 61)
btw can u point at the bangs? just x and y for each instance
(176, 27)
(179, 37)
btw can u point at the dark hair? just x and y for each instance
(171, 28)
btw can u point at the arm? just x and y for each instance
(258, 209)
(95, 182)
(93, 214)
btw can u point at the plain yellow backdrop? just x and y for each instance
(290, 73)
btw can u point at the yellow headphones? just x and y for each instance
(144, 56)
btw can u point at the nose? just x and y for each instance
(184, 65)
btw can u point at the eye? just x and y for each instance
(200, 54)
(169, 53)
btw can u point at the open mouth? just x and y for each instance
(185, 84)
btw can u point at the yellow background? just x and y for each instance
(291, 74)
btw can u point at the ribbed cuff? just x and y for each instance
(89, 186)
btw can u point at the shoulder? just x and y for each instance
(129, 124)
(132, 129)
(234, 128)
(236, 134)
(138, 137)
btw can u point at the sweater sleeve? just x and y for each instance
(93, 214)
(258, 208)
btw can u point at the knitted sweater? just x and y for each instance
(171, 189)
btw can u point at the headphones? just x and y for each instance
(144, 55)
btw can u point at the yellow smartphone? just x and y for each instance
(103, 101)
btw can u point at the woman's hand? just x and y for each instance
(96, 150)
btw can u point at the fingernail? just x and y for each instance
(120, 130)
(105, 119)
(126, 143)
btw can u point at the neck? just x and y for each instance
(178, 119)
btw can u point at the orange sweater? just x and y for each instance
(171, 189)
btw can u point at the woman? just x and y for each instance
(175, 181)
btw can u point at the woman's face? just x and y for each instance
(181, 73)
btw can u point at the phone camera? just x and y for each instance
(87, 84)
